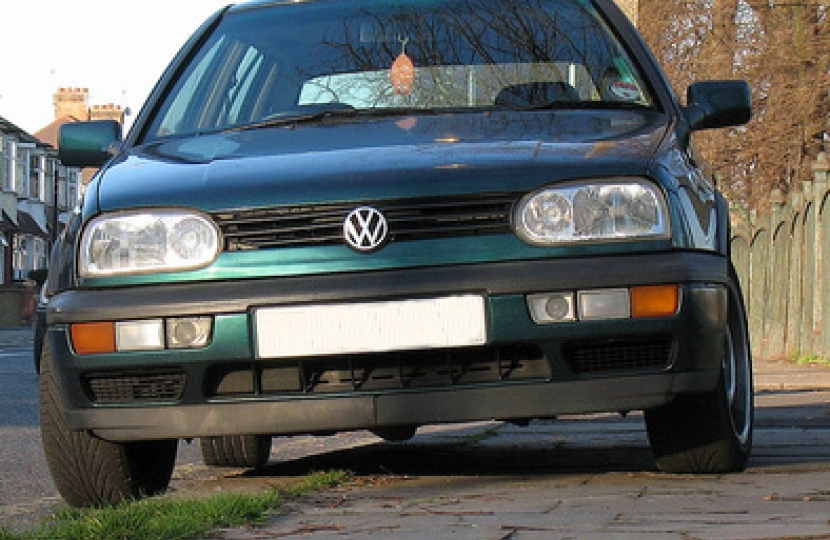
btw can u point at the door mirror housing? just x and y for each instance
(718, 104)
(88, 144)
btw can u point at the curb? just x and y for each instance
(790, 376)
(20, 337)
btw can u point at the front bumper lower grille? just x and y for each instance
(379, 372)
(383, 372)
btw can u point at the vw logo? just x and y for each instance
(365, 229)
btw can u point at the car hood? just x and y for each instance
(348, 160)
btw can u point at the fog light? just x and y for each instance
(189, 333)
(552, 307)
(139, 335)
(604, 304)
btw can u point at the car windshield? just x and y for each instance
(358, 58)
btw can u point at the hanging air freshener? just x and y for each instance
(403, 72)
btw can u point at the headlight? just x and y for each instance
(593, 212)
(148, 241)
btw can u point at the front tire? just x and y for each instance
(711, 433)
(238, 451)
(89, 471)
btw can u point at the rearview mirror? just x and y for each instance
(88, 144)
(718, 104)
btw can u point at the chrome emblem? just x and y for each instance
(365, 229)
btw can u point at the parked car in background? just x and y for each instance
(382, 214)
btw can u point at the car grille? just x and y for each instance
(123, 388)
(378, 372)
(620, 354)
(409, 219)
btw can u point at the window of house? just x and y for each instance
(61, 185)
(19, 257)
(4, 165)
(35, 171)
(21, 163)
(9, 149)
(39, 258)
(49, 167)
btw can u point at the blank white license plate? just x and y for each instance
(351, 328)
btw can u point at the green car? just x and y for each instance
(337, 215)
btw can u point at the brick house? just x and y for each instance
(31, 207)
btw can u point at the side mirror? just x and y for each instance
(718, 104)
(88, 144)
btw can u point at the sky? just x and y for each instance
(116, 48)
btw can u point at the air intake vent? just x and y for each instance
(620, 354)
(123, 388)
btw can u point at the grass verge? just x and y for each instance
(168, 518)
(813, 359)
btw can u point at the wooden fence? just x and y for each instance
(782, 258)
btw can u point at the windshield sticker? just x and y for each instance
(627, 91)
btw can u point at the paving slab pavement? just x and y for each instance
(577, 479)
(617, 506)
(550, 481)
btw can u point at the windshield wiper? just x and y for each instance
(296, 117)
(314, 113)
(321, 112)
(581, 104)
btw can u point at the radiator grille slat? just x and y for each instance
(409, 219)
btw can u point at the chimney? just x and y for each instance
(109, 111)
(72, 102)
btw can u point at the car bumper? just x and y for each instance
(686, 350)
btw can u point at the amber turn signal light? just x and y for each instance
(654, 301)
(93, 338)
